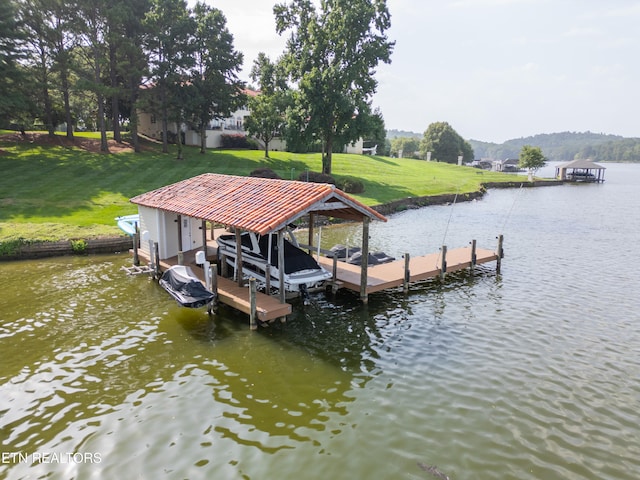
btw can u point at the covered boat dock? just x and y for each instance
(173, 219)
(580, 170)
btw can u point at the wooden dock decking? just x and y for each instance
(379, 277)
(391, 275)
(268, 308)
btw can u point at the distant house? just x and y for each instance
(150, 126)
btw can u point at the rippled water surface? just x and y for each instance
(530, 374)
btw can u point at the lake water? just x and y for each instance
(530, 374)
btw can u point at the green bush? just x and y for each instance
(264, 172)
(350, 185)
(316, 177)
(79, 246)
(234, 141)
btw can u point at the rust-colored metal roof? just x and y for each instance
(259, 205)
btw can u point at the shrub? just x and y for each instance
(234, 141)
(351, 185)
(264, 172)
(79, 246)
(316, 177)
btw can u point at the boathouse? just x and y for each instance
(174, 217)
(580, 170)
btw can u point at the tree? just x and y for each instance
(532, 159)
(407, 146)
(268, 109)
(11, 37)
(445, 144)
(332, 55)
(169, 30)
(215, 90)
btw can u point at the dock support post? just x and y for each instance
(136, 257)
(312, 219)
(364, 267)
(156, 260)
(238, 272)
(267, 279)
(283, 297)
(474, 257)
(181, 258)
(224, 267)
(407, 273)
(253, 323)
(213, 279)
(499, 253)
(204, 237)
(443, 263)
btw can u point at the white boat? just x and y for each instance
(259, 253)
(128, 223)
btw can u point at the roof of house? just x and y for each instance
(260, 205)
(582, 163)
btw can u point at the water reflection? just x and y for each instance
(528, 374)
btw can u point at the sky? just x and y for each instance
(493, 69)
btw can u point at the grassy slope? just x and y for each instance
(55, 192)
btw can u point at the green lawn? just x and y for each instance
(56, 192)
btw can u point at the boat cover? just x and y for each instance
(295, 259)
(185, 287)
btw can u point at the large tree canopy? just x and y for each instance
(11, 37)
(332, 55)
(268, 109)
(445, 144)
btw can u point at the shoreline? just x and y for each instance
(122, 243)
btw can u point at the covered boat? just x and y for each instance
(260, 253)
(353, 255)
(183, 285)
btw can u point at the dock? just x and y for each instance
(402, 273)
(268, 308)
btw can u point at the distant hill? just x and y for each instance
(563, 146)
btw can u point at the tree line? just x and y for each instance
(92, 64)
(95, 64)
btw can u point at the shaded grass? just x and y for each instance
(51, 192)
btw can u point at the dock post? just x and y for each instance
(364, 265)
(443, 263)
(213, 277)
(181, 258)
(407, 273)
(239, 263)
(473, 254)
(252, 301)
(499, 254)
(283, 298)
(156, 260)
(267, 279)
(136, 257)
(224, 267)
(213, 280)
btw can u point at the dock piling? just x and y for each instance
(443, 262)
(473, 255)
(407, 273)
(252, 301)
(499, 254)
(136, 257)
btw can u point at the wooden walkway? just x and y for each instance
(391, 275)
